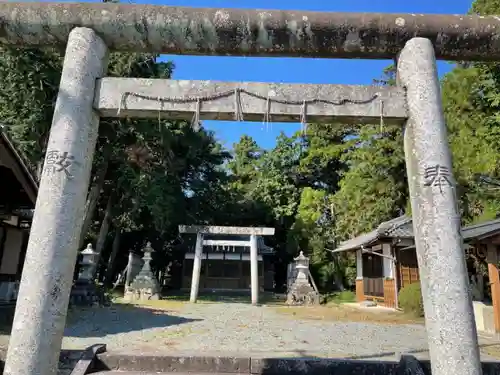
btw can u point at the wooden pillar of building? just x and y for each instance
(360, 293)
(492, 259)
(390, 288)
(195, 281)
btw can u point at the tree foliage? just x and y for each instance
(317, 187)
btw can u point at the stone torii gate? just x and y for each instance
(202, 230)
(90, 30)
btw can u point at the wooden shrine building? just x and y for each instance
(228, 259)
(226, 264)
(18, 191)
(386, 261)
(383, 262)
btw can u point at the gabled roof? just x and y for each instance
(21, 170)
(400, 227)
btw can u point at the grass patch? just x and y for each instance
(162, 304)
(338, 297)
(264, 298)
(339, 313)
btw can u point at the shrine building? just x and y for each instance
(226, 264)
(18, 192)
(386, 261)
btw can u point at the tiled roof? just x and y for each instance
(20, 160)
(480, 230)
(400, 227)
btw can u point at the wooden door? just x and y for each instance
(408, 267)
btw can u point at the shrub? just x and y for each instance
(347, 296)
(410, 299)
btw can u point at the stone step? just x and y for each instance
(110, 363)
(139, 364)
(156, 373)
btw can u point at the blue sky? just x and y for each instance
(294, 70)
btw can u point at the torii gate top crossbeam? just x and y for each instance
(213, 229)
(180, 30)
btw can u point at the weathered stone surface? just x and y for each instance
(153, 373)
(294, 366)
(67, 360)
(210, 229)
(145, 286)
(449, 317)
(270, 366)
(176, 30)
(115, 361)
(42, 304)
(301, 292)
(86, 363)
(130, 97)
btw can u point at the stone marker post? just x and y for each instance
(128, 276)
(195, 280)
(40, 316)
(449, 317)
(254, 269)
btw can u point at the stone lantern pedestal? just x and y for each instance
(145, 286)
(301, 292)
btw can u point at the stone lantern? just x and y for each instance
(301, 292)
(145, 286)
(88, 264)
(84, 291)
(302, 267)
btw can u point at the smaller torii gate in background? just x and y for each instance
(202, 230)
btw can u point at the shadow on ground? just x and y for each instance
(115, 319)
(228, 297)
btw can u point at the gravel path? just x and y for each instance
(240, 329)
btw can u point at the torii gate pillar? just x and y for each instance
(195, 280)
(42, 304)
(449, 317)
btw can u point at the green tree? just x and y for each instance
(373, 187)
(30, 82)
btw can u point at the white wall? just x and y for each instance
(359, 265)
(388, 263)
